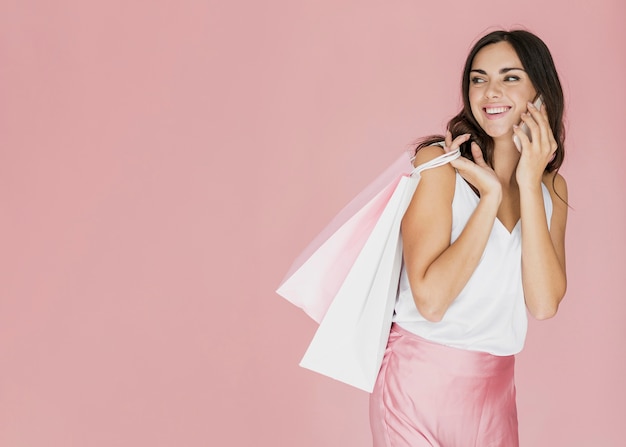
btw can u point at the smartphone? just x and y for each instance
(537, 103)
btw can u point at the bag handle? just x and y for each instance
(437, 161)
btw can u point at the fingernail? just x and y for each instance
(530, 105)
(515, 126)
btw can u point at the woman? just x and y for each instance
(483, 243)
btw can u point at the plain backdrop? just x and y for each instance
(163, 162)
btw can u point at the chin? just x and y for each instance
(498, 134)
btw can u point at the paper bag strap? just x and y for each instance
(438, 161)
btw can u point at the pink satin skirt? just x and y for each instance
(428, 394)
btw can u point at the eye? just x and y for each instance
(477, 80)
(512, 78)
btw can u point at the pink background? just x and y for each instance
(161, 164)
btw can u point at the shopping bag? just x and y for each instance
(317, 273)
(350, 341)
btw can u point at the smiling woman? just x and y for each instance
(499, 94)
(483, 242)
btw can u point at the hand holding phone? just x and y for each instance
(537, 103)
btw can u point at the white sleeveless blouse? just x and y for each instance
(489, 314)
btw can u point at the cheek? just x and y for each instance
(474, 104)
(529, 95)
(474, 94)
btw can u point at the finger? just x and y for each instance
(542, 112)
(458, 141)
(547, 137)
(524, 140)
(541, 118)
(463, 165)
(533, 127)
(477, 153)
(452, 145)
(448, 139)
(461, 139)
(553, 146)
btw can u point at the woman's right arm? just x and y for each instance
(438, 270)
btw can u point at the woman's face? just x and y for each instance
(499, 90)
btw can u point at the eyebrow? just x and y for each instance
(502, 70)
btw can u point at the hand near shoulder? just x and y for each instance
(478, 173)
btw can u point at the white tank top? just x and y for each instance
(489, 314)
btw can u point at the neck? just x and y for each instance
(505, 160)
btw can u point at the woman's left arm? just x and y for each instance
(543, 250)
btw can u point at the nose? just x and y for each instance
(493, 90)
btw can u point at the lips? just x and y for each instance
(495, 111)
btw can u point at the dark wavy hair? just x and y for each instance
(537, 61)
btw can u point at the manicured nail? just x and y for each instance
(530, 105)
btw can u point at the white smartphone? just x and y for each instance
(537, 103)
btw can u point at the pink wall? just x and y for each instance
(161, 163)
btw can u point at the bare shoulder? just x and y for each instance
(436, 186)
(425, 154)
(557, 186)
(434, 176)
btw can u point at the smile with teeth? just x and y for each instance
(496, 110)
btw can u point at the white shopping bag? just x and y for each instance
(350, 342)
(319, 273)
